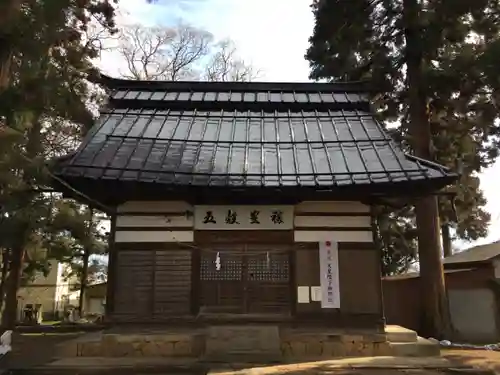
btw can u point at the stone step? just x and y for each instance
(231, 343)
(400, 334)
(421, 348)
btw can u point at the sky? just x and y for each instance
(272, 35)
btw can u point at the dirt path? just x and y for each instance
(482, 359)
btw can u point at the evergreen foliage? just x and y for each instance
(459, 40)
(45, 106)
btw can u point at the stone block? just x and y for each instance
(198, 345)
(333, 337)
(352, 338)
(182, 349)
(314, 349)
(286, 349)
(421, 348)
(79, 350)
(381, 349)
(150, 349)
(366, 350)
(353, 348)
(90, 349)
(120, 349)
(68, 349)
(138, 348)
(298, 348)
(109, 339)
(332, 349)
(165, 349)
(375, 337)
(224, 342)
(400, 334)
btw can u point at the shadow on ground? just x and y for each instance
(33, 350)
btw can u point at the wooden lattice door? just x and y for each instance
(267, 280)
(221, 285)
(245, 280)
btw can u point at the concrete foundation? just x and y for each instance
(264, 344)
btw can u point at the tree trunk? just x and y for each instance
(83, 280)
(85, 267)
(9, 317)
(9, 12)
(436, 319)
(446, 237)
(33, 148)
(3, 277)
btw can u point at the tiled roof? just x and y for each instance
(479, 253)
(244, 96)
(240, 134)
(314, 97)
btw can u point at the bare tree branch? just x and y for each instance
(97, 36)
(190, 46)
(180, 53)
(225, 65)
(154, 53)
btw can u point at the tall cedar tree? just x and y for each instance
(433, 63)
(45, 59)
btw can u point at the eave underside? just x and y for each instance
(113, 192)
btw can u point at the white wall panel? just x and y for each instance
(163, 221)
(338, 236)
(154, 236)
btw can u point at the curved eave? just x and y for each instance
(110, 191)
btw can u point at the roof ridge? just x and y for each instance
(346, 87)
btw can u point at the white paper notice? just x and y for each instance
(303, 294)
(329, 269)
(316, 293)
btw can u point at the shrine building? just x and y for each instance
(236, 204)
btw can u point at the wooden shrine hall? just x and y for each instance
(237, 204)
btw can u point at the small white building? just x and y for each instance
(53, 292)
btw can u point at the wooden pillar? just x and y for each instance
(112, 264)
(292, 257)
(195, 280)
(378, 250)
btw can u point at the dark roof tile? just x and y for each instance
(236, 96)
(305, 148)
(243, 134)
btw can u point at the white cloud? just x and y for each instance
(490, 183)
(139, 11)
(273, 35)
